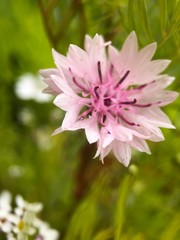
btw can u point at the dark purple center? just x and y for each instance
(107, 102)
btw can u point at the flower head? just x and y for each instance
(114, 97)
(22, 221)
(24, 217)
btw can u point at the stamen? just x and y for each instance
(143, 105)
(99, 71)
(129, 102)
(123, 78)
(111, 69)
(146, 105)
(141, 86)
(96, 92)
(128, 122)
(86, 113)
(77, 83)
(106, 43)
(144, 85)
(102, 119)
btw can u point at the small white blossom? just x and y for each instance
(45, 232)
(5, 208)
(29, 86)
(24, 206)
(21, 222)
(5, 201)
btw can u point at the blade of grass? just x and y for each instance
(175, 20)
(120, 215)
(123, 17)
(172, 229)
(144, 19)
(81, 226)
(174, 24)
(131, 14)
(163, 16)
(104, 235)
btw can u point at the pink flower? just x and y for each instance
(114, 97)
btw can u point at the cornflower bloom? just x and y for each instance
(115, 96)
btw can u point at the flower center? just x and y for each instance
(107, 102)
(3, 220)
(21, 225)
(109, 98)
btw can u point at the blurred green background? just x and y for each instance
(84, 199)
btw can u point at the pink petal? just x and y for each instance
(97, 50)
(155, 134)
(60, 60)
(129, 50)
(87, 43)
(46, 73)
(157, 66)
(65, 101)
(52, 87)
(122, 152)
(146, 53)
(140, 145)
(57, 131)
(107, 138)
(63, 85)
(122, 133)
(78, 59)
(92, 130)
(71, 117)
(157, 117)
(103, 152)
(116, 60)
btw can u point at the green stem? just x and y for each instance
(51, 5)
(68, 16)
(46, 23)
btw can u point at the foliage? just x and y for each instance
(84, 199)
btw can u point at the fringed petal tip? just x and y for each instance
(125, 163)
(102, 160)
(57, 131)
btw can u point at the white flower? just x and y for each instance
(25, 213)
(44, 231)
(29, 86)
(22, 222)
(24, 206)
(5, 201)
(5, 208)
(10, 236)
